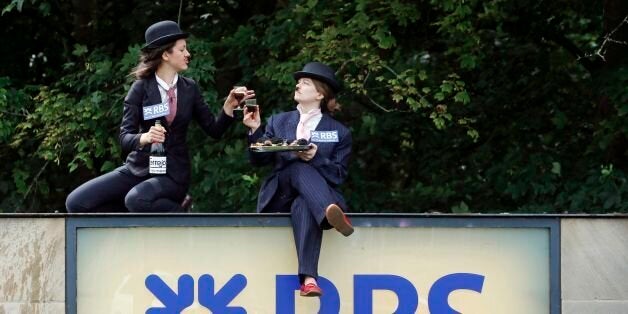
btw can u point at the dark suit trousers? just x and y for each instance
(121, 191)
(305, 192)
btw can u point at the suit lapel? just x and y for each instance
(291, 124)
(183, 99)
(153, 96)
(324, 124)
(152, 91)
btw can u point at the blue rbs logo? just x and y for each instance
(217, 301)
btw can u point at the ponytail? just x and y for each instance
(329, 103)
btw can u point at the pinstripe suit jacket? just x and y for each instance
(190, 105)
(331, 159)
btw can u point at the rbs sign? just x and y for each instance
(217, 301)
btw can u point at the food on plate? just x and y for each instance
(278, 142)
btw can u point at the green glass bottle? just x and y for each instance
(157, 160)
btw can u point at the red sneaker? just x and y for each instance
(310, 290)
(336, 217)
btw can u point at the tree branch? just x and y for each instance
(568, 45)
(14, 114)
(35, 179)
(378, 105)
(608, 38)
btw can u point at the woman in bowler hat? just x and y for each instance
(306, 183)
(131, 186)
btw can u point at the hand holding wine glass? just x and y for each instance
(251, 116)
(241, 94)
(236, 97)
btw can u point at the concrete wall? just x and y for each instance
(32, 266)
(594, 265)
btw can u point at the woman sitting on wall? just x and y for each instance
(131, 187)
(306, 183)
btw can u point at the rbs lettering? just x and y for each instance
(217, 301)
(324, 136)
(156, 111)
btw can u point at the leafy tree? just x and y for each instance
(463, 106)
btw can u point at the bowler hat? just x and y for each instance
(321, 72)
(162, 33)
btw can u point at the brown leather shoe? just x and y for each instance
(187, 203)
(336, 217)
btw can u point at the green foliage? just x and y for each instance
(472, 106)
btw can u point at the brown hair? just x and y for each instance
(328, 104)
(150, 60)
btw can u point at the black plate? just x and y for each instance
(275, 149)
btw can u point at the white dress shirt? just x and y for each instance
(164, 87)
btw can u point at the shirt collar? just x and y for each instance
(165, 85)
(311, 112)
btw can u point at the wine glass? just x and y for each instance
(251, 105)
(239, 93)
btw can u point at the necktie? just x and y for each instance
(172, 103)
(303, 131)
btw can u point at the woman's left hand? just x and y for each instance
(307, 155)
(232, 102)
(252, 119)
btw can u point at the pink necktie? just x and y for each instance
(302, 131)
(172, 104)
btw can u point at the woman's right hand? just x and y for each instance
(252, 119)
(156, 134)
(233, 101)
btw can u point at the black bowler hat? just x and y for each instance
(162, 33)
(321, 72)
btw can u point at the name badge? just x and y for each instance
(156, 111)
(324, 136)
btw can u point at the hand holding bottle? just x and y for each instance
(157, 160)
(156, 134)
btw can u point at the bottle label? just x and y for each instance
(157, 165)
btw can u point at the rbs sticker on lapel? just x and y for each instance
(324, 136)
(156, 111)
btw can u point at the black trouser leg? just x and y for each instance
(121, 191)
(157, 194)
(102, 194)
